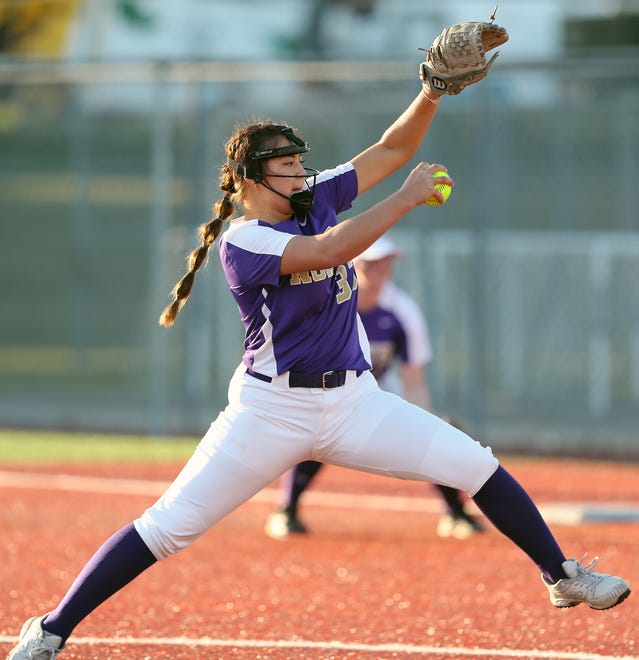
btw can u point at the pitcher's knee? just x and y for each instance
(483, 471)
(162, 540)
(463, 462)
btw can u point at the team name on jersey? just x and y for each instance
(345, 288)
(310, 276)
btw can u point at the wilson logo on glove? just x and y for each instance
(438, 83)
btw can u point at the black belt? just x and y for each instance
(326, 381)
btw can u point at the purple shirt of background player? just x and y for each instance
(396, 331)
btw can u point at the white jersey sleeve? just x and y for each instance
(418, 349)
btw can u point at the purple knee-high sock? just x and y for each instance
(120, 559)
(509, 508)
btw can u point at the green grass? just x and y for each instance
(48, 447)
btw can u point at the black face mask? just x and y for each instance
(301, 201)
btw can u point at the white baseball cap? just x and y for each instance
(383, 247)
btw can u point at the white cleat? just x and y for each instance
(282, 523)
(35, 643)
(582, 585)
(458, 527)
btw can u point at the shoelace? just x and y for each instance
(589, 568)
(43, 644)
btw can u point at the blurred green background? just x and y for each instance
(109, 160)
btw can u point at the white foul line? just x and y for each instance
(207, 642)
(75, 483)
(565, 513)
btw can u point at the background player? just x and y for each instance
(400, 349)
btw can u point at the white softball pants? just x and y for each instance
(268, 428)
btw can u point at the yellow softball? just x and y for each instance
(443, 188)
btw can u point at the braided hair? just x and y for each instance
(245, 139)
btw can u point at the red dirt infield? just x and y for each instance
(372, 580)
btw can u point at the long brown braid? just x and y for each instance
(245, 139)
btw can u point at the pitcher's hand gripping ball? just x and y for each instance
(443, 188)
(457, 57)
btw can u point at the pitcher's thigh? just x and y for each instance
(207, 489)
(388, 435)
(239, 456)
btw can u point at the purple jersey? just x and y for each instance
(306, 321)
(397, 332)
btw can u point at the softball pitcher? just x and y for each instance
(304, 389)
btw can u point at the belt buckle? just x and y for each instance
(324, 375)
